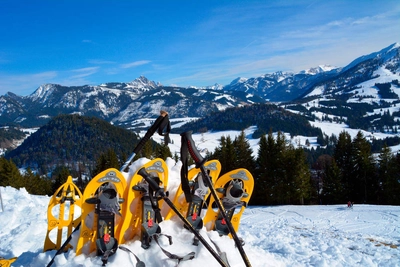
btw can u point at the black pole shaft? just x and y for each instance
(224, 215)
(146, 137)
(195, 232)
(199, 160)
(160, 191)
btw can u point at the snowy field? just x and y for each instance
(366, 235)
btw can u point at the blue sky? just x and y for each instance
(183, 43)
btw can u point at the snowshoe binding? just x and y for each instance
(142, 210)
(234, 189)
(99, 225)
(198, 190)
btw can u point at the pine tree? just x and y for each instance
(389, 177)
(225, 153)
(243, 153)
(332, 189)
(9, 174)
(343, 156)
(365, 185)
(163, 152)
(147, 150)
(265, 180)
(319, 172)
(384, 174)
(260, 195)
(59, 176)
(281, 182)
(36, 185)
(302, 178)
(105, 161)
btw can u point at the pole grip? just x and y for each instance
(146, 137)
(198, 159)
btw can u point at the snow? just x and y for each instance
(318, 235)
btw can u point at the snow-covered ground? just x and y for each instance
(366, 235)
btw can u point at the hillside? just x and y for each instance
(265, 116)
(9, 136)
(71, 140)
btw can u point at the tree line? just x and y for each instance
(284, 175)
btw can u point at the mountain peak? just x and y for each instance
(43, 91)
(238, 80)
(143, 83)
(319, 69)
(386, 52)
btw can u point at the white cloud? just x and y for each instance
(135, 64)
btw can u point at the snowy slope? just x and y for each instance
(366, 235)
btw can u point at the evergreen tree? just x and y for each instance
(384, 174)
(332, 189)
(280, 179)
(260, 195)
(163, 152)
(389, 177)
(343, 155)
(365, 184)
(302, 177)
(9, 174)
(243, 153)
(393, 184)
(147, 150)
(36, 185)
(265, 180)
(318, 174)
(105, 161)
(60, 176)
(225, 153)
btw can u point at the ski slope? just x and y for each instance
(366, 235)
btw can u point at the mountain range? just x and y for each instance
(366, 84)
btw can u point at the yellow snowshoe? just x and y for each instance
(67, 217)
(234, 189)
(133, 210)
(101, 198)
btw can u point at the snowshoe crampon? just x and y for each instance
(63, 213)
(234, 189)
(99, 225)
(138, 213)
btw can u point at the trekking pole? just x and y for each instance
(199, 160)
(160, 123)
(160, 192)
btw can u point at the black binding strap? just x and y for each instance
(139, 263)
(170, 255)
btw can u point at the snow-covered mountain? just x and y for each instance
(122, 103)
